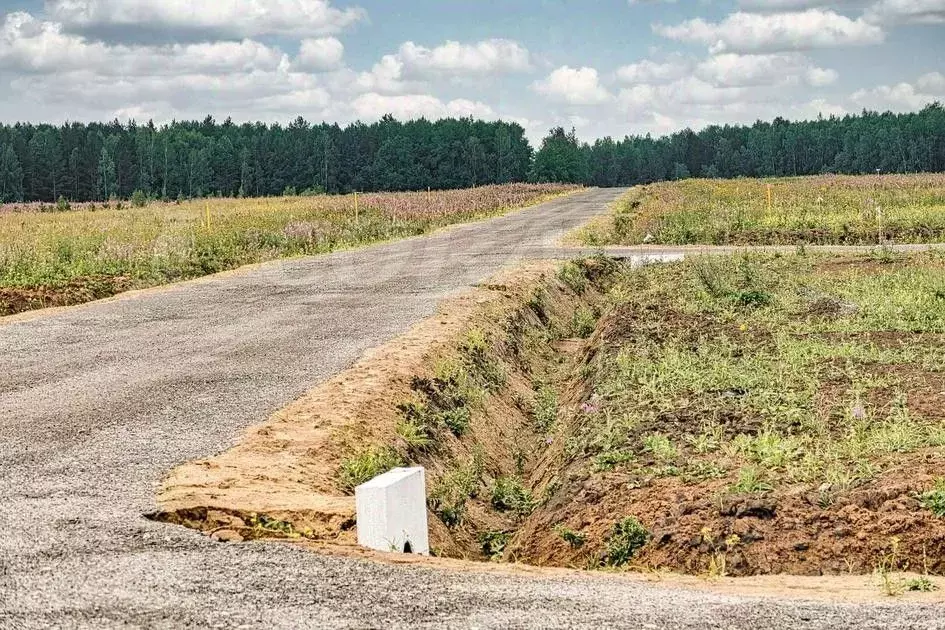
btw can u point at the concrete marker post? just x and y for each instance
(392, 512)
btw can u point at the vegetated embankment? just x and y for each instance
(728, 416)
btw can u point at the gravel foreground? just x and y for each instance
(98, 402)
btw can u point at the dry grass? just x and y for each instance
(848, 210)
(73, 256)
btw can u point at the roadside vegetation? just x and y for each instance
(823, 210)
(73, 256)
(758, 414)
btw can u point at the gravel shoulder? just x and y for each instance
(98, 402)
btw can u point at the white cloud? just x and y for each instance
(234, 18)
(575, 86)
(372, 106)
(907, 11)
(492, 56)
(733, 70)
(31, 45)
(793, 5)
(318, 55)
(386, 76)
(903, 96)
(648, 71)
(778, 32)
(932, 83)
(412, 65)
(819, 77)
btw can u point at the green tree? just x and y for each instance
(106, 175)
(560, 159)
(11, 175)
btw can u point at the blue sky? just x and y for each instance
(607, 67)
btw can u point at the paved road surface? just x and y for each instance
(98, 402)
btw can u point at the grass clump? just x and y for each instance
(481, 361)
(611, 460)
(450, 493)
(751, 480)
(363, 467)
(626, 538)
(660, 446)
(921, 584)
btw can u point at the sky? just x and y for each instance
(604, 67)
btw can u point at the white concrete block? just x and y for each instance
(640, 260)
(392, 512)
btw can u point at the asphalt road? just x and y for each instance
(98, 402)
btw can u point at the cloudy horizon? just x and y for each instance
(625, 67)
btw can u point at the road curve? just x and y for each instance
(98, 402)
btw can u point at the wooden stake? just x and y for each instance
(769, 197)
(356, 206)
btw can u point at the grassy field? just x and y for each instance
(761, 415)
(56, 258)
(844, 210)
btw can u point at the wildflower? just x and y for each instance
(592, 405)
(858, 412)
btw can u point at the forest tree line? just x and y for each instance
(92, 162)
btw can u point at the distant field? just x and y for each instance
(840, 210)
(52, 258)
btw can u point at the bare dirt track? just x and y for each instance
(98, 402)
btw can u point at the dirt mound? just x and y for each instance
(15, 300)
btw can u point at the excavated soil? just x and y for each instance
(15, 300)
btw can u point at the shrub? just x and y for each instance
(568, 535)
(363, 467)
(545, 408)
(934, 499)
(583, 323)
(457, 420)
(572, 275)
(139, 199)
(450, 493)
(493, 543)
(626, 538)
(509, 495)
(479, 359)
(62, 204)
